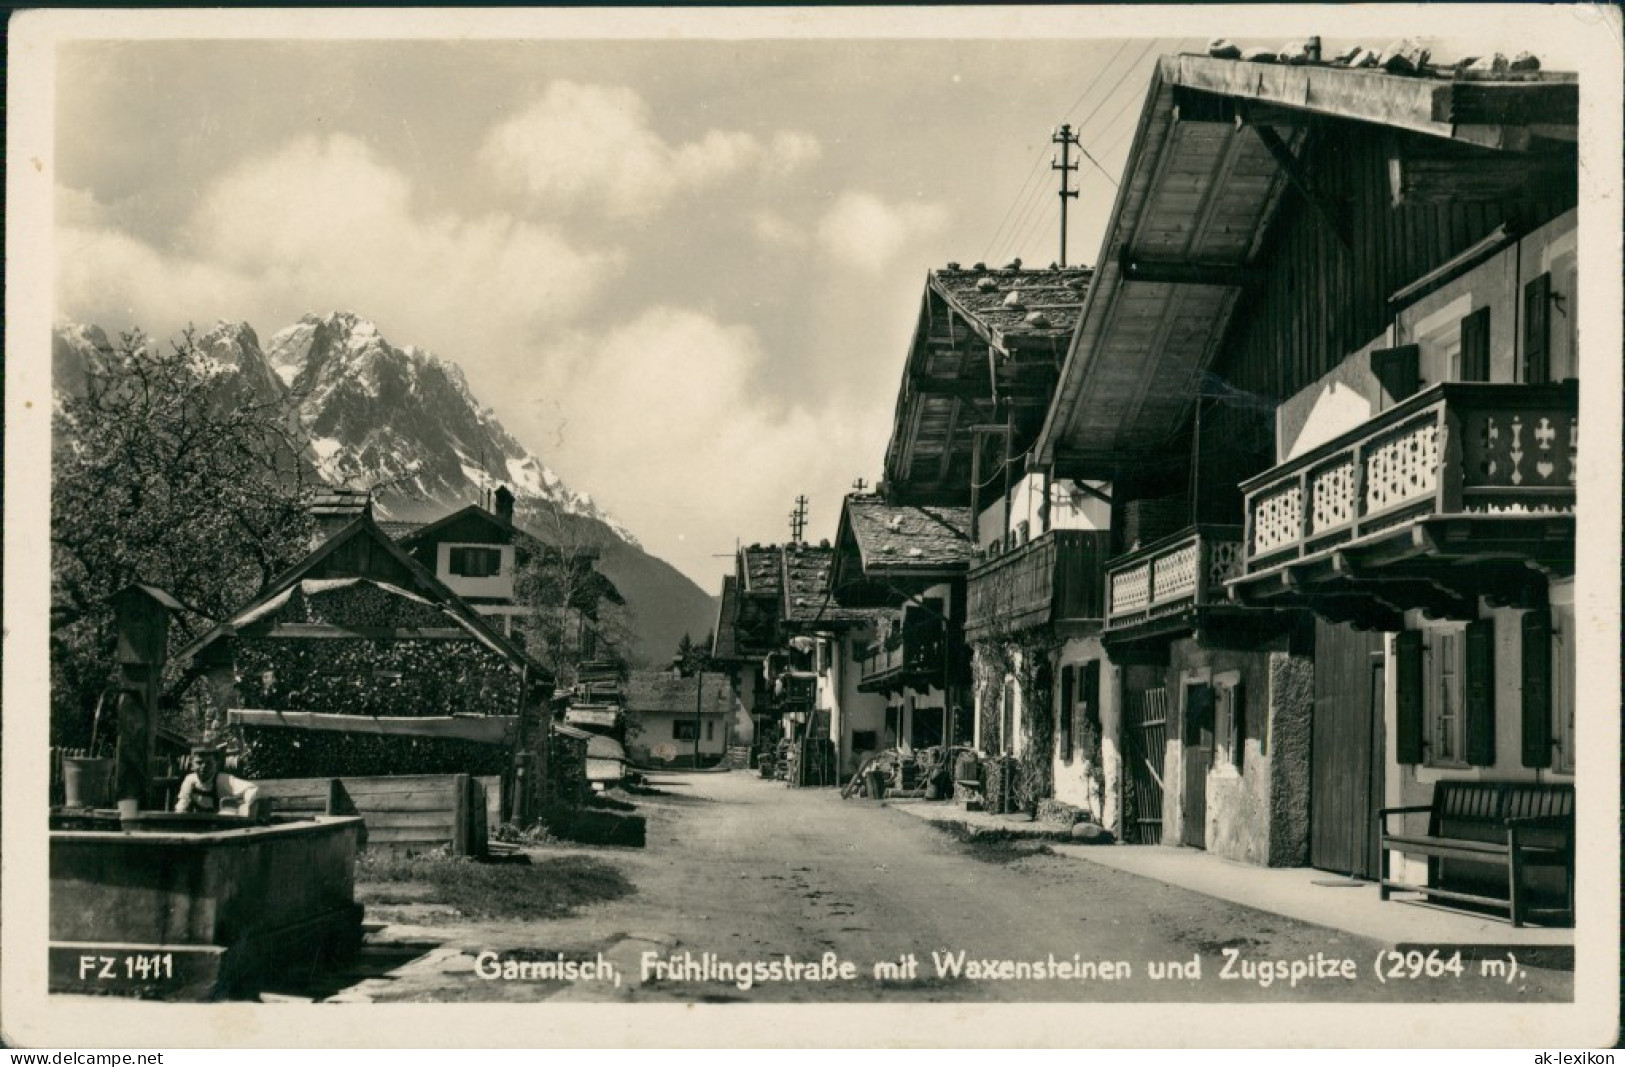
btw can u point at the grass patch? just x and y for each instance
(995, 846)
(547, 889)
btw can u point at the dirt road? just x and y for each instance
(817, 899)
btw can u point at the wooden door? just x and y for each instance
(1145, 733)
(1198, 745)
(1346, 759)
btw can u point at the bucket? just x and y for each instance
(86, 781)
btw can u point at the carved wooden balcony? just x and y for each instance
(1055, 579)
(912, 656)
(1461, 473)
(1169, 577)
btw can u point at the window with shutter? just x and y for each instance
(1408, 692)
(1445, 716)
(1536, 700)
(1479, 725)
(1475, 346)
(1563, 686)
(1537, 352)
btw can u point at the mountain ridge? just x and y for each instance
(405, 423)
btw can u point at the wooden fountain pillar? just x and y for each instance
(143, 646)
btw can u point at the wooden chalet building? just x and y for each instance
(675, 720)
(358, 661)
(1327, 368)
(794, 650)
(909, 561)
(978, 379)
(484, 557)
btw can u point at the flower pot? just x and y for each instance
(87, 781)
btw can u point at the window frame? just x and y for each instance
(1445, 689)
(685, 729)
(491, 554)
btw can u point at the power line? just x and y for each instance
(1024, 199)
(1100, 74)
(1023, 225)
(1120, 83)
(1037, 168)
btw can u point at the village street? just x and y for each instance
(747, 870)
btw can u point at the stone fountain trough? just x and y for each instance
(189, 907)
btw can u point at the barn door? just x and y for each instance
(1198, 740)
(1346, 756)
(1145, 732)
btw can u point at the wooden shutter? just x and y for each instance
(1238, 724)
(1398, 370)
(1066, 712)
(1475, 346)
(1537, 332)
(1480, 692)
(1537, 688)
(1408, 680)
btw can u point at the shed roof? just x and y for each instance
(663, 691)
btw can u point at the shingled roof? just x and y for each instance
(724, 646)
(908, 538)
(657, 691)
(808, 599)
(1004, 305)
(760, 573)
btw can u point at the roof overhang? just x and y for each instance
(1181, 246)
(1218, 141)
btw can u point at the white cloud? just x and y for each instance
(683, 449)
(861, 228)
(594, 145)
(772, 228)
(322, 223)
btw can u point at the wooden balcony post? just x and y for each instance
(1201, 568)
(1359, 487)
(1451, 473)
(1306, 512)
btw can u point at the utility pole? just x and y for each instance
(798, 519)
(1066, 139)
(699, 698)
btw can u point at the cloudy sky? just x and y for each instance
(685, 273)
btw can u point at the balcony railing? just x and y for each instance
(1054, 578)
(913, 652)
(1456, 448)
(1168, 576)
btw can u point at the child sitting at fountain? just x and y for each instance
(209, 789)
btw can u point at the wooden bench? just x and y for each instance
(1512, 825)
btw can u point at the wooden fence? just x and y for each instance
(401, 813)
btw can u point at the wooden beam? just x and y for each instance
(1507, 103)
(1425, 178)
(1142, 269)
(488, 729)
(1298, 175)
(318, 630)
(1194, 105)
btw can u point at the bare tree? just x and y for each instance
(576, 614)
